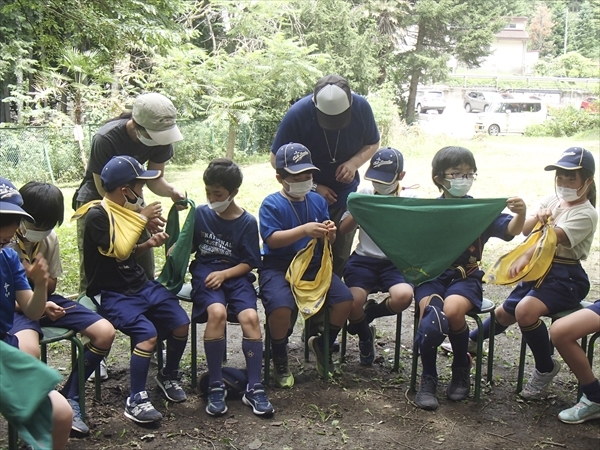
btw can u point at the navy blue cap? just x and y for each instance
(294, 158)
(121, 170)
(386, 164)
(433, 327)
(574, 158)
(11, 200)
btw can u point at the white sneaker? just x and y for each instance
(103, 371)
(537, 384)
(472, 347)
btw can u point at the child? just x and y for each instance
(565, 332)
(13, 279)
(288, 220)
(368, 268)
(44, 202)
(141, 308)
(574, 218)
(227, 249)
(459, 287)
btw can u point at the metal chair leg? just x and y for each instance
(396, 367)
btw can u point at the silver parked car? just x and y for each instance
(430, 99)
(476, 101)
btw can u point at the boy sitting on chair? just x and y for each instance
(44, 202)
(288, 220)
(227, 249)
(142, 309)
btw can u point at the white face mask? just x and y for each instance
(460, 187)
(144, 140)
(385, 189)
(34, 235)
(299, 189)
(219, 207)
(568, 194)
(133, 206)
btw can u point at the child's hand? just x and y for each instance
(516, 205)
(156, 225)
(315, 229)
(330, 224)
(153, 210)
(158, 239)
(53, 311)
(37, 272)
(518, 265)
(543, 215)
(214, 280)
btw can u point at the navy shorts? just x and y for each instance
(275, 291)
(9, 339)
(595, 307)
(450, 283)
(371, 273)
(153, 311)
(236, 294)
(563, 287)
(77, 317)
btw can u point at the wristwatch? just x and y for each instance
(314, 187)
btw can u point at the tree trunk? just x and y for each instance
(231, 140)
(414, 80)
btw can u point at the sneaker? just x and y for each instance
(103, 371)
(336, 345)
(216, 399)
(472, 347)
(367, 349)
(282, 375)
(78, 425)
(170, 386)
(460, 385)
(314, 346)
(257, 399)
(583, 411)
(141, 410)
(537, 384)
(426, 398)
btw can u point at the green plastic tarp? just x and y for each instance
(423, 237)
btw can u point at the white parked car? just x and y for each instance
(428, 99)
(511, 116)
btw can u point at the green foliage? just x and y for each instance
(566, 122)
(587, 30)
(385, 112)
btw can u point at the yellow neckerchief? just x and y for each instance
(21, 243)
(124, 227)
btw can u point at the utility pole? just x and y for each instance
(566, 30)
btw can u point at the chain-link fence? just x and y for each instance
(52, 154)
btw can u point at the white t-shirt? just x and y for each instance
(49, 248)
(366, 246)
(579, 224)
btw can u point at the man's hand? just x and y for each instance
(345, 172)
(37, 272)
(177, 196)
(327, 193)
(157, 239)
(214, 280)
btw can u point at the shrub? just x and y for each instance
(565, 122)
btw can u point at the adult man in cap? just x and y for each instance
(339, 129)
(146, 133)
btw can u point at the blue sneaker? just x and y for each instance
(140, 410)
(257, 399)
(170, 386)
(216, 399)
(78, 425)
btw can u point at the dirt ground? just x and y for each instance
(362, 408)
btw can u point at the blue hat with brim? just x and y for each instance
(574, 158)
(11, 200)
(294, 158)
(121, 170)
(433, 327)
(385, 166)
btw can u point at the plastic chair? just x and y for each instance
(487, 307)
(396, 366)
(55, 334)
(522, 353)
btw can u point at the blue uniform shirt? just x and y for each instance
(300, 125)
(276, 214)
(231, 241)
(12, 279)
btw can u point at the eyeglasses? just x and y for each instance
(12, 241)
(458, 175)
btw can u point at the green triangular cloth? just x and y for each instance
(423, 237)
